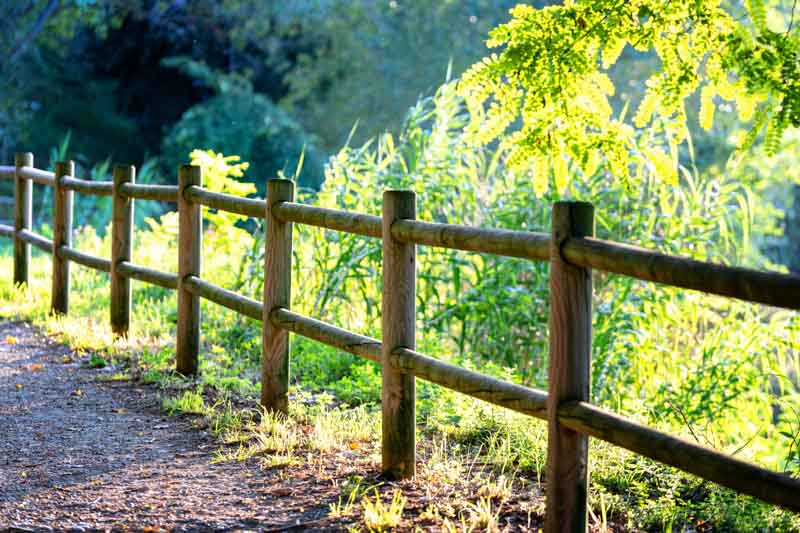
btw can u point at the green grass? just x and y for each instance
(334, 407)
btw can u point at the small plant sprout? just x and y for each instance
(189, 403)
(482, 515)
(379, 516)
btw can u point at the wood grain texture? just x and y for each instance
(521, 399)
(34, 239)
(232, 300)
(398, 330)
(141, 191)
(121, 250)
(167, 280)
(743, 477)
(518, 398)
(334, 219)
(190, 240)
(23, 207)
(277, 293)
(770, 288)
(62, 236)
(569, 370)
(84, 259)
(347, 341)
(492, 241)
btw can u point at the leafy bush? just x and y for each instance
(240, 121)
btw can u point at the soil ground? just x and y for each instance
(82, 452)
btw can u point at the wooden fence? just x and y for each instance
(571, 249)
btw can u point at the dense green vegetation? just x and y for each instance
(493, 148)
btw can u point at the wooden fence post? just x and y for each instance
(398, 331)
(62, 236)
(277, 293)
(23, 209)
(570, 361)
(190, 238)
(121, 249)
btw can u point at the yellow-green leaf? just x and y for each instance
(541, 174)
(706, 116)
(560, 172)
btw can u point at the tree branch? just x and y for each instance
(38, 26)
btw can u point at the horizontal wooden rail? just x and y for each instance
(97, 188)
(366, 225)
(167, 280)
(251, 207)
(87, 260)
(515, 397)
(232, 300)
(741, 476)
(42, 177)
(8, 172)
(493, 241)
(531, 402)
(771, 288)
(347, 341)
(159, 193)
(6, 230)
(42, 243)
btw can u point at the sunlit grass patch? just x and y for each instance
(382, 516)
(188, 403)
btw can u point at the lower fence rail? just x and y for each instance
(232, 300)
(741, 476)
(87, 260)
(34, 239)
(744, 477)
(347, 341)
(8, 172)
(515, 397)
(156, 277)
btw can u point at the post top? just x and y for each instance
(22, 159)
(398, 192)
(573, 203)
(64, 167)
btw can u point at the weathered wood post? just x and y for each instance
(23, 209)
(570, 360)
(398, 330)
(121, 249)
(190, 236)
(62, 236)
(277, 293)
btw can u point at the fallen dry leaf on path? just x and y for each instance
(10, 339)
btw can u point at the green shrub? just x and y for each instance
(239, 121)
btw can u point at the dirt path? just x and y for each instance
(80, 453)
